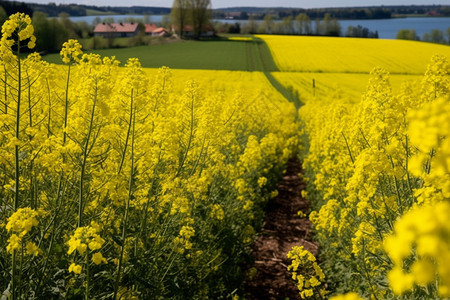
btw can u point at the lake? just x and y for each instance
(387, 28)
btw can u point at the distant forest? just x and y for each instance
(53, 10)
(238, 13)
(358, 13)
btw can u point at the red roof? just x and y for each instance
(115, 27)
(159, 30)
(150, 27)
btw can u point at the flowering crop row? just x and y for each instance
(309, 86)
(379, 178)
(350, 55)
(115, 185)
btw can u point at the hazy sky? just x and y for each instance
(264, 3)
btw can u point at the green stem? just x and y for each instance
(348, 148)
(17, 135)
(86, 296)
(83, 164)
(399, 200)
(13, 276)
(6, 91)
(191, 135)
(66, 107)
(19, 281)
(49, 110)
(130, 195)
(128, 135)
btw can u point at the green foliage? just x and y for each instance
(50, 33)
(405, 34)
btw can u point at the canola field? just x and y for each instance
(342, 85)
(246, 84)
(350, 55)
(121, 182)
(131, 183)
(379, 179)
(376, 153)
(343, 65)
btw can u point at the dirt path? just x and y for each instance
(282, 230)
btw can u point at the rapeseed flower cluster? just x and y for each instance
(18, 24)
(379, 179)
(130, 167)
(19, 224)
(71, 52)
(83, 239)
(306, 273)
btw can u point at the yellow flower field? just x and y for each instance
(378, 173)
(350, 55)
(125, 183)
(246, 84)
(346, 85)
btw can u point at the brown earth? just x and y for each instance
(282, 230)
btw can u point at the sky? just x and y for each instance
(259, 3)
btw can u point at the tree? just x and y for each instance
(68, 25)
(267, 25)
(437, 36)
(50, 33)
(317, 27)
(303, 23)
(200, 11)
(330, 26)
(405, 34)
(447, 33)
(250, 27)
(288, 25)
(179, 14)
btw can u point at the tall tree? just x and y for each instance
(447, 33)
(201, 14)
(267, 25)
(303, 23)
(179, 14)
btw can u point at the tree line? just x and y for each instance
(53, 10)
(195, 13)
(434, 36)
(349, 13)
(302, 24)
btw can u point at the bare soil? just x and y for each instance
(282, 230)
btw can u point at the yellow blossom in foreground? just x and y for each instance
(75, 268)
(98, 258)
(262, 181)
(425, 231)
(14, 243)
(217, 212)
(32, 249)
(22, 221)
(71, 51)
(83, 238)
(306, 272)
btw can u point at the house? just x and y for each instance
(112, 30)
(154, 30)
(161, 31)
(149, 28)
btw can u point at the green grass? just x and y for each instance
(209, 55)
